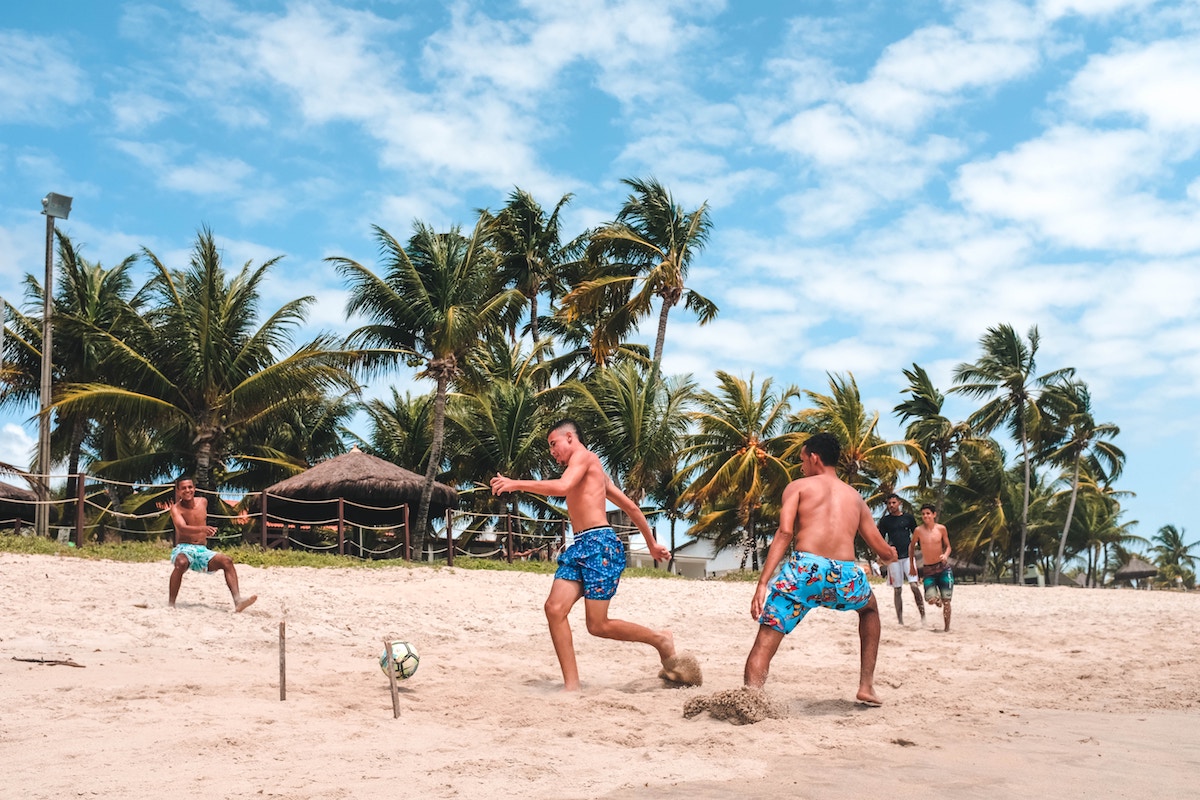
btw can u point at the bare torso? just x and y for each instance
(828, 516)
(586, 499)
(195, 517)
(931, 540)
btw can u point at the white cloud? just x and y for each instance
(1085, 188)
(205, 175)
(1158, 83)
(134, 111)
(16, 446)
(929, 69)
(37, 80)
(1053, 9)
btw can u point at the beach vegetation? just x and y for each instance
(519, 322)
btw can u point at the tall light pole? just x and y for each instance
(54, 206)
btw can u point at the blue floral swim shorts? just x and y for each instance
(805, 582)
(197, 554)
(596, 559)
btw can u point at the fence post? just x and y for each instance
(449, 540)
(264, 520)
(342, 528)
(407, 538)
(508, 530)
(80, 494)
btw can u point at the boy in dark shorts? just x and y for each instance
(936, 574)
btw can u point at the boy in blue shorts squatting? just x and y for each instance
(591, 567)
(810, 564)
(189, 515)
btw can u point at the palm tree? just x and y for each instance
(935, 434)
(1077, 439)
(868, 463)
(308, 430)
(196, 371)
(637, 420)
(92, 303)
(733, 462)
(1107, 536)
(977, 500)
(652, 242)
(436, 301)
(530, 252)
(1004, 373)
(582, 353)
(1173, 557)
(500, 428)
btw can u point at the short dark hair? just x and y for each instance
(887, 497)
(567, 422)
(183, 478)
(930, 506)
(826, 447)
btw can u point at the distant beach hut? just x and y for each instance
(1136, 570)
(355, 488)
(16, 505)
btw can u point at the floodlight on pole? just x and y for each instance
(54, 206)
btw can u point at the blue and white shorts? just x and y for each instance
(596, 560)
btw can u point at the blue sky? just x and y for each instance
(886, 180)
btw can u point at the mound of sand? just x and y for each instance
(744, 706)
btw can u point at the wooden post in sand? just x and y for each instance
(282, 661)
(391, 673)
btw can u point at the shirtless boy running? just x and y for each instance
(937, 576)
(817, 524)
(591, 567)
(189, 514)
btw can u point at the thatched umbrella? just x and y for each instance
(1136, 569)
(17, 503)
(361, 480)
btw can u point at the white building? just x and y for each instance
(694, 559)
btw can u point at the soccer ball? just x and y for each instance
(404, 660)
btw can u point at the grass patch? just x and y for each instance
(255, 556)
(740, 576)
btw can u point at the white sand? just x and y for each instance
(1070, 692)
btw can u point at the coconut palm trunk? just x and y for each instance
(1062, 540)
(443, 372)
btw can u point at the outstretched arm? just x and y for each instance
(871, 535)
(555, 487)
(622, 501)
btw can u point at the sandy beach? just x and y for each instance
(1081, 693)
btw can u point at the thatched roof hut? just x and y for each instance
(17, 503)
(372, 489)
(1136, 569)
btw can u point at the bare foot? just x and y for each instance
(682, 668)
(244, 603)
(867, 697)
